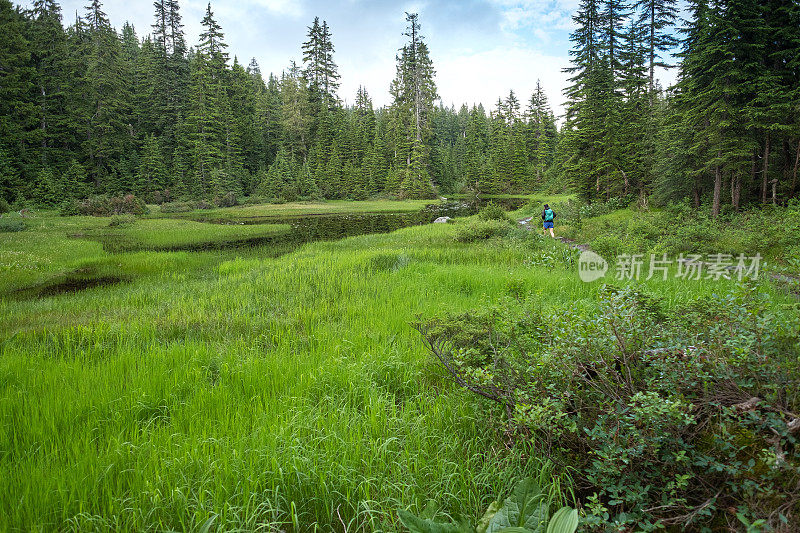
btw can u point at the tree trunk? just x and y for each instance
(794, 174)
(715, 208)
(696, 195)
(625, 180)
(651, 44)
(765, 171)
(736, 190)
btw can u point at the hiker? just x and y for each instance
(547, 216)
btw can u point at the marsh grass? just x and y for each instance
(303, 208)
(169, 234)
(244, 392)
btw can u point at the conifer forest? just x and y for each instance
(89, 109)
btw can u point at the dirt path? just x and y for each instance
(526, 223)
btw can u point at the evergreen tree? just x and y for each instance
(107, 100)
(48, 50)
(656, 18)
(152, 172)
(413, 91)
(321, 71)
(16, 102)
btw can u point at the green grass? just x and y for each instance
(302, 208)
(167, 234)
(259, 393)
(54, 249)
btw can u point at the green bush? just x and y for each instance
(4, 206)
(10, 225)
(608, 245)
(527, 510)
(104, 206)
(228, 199)
(493, 211)
(477, 230)
(122, 220)
(596, 209)
(68, 208)
(678, 418)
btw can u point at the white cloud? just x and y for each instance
(483, 77)
(292, 8)
(546, 15)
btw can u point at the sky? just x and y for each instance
(480, 49)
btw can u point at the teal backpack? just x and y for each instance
(548, 215)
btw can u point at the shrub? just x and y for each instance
(203, 204)
(176, 207)
(122, 220)
(608, 245)
(4, 207)
(161, 197)
(96, 206)
(103, 206)
(493, 211)
(527, 510)
(226, 200)
(476, 230)
(680, 418)
(596, 209)
(128, 204)
(68, 208)
(10, 225)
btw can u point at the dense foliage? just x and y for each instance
(86, 109)
(528, 510)
(727, 132)
(681, 416)
(679, 229)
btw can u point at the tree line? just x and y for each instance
(86, 110)
(726, 134)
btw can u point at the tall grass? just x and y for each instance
(242, 392)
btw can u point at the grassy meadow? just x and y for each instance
(234, 390)
(290, 209)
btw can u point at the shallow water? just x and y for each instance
(304, 228)
(309, 228)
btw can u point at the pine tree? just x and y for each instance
(209, 114)
(48, 47)
(212, 44)
(10, 182)
(585, 118)
(107, 98)
(295, 114)
(414, 91)
(45, 191)
(73, 181)
(321, 71)
(204, 122)
(152, 172)
(656, 18)
(17, 108)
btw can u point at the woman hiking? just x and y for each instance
(547, 217)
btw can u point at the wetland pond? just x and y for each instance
(300, 229)
(325, 227)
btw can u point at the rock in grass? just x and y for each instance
(442, 220)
